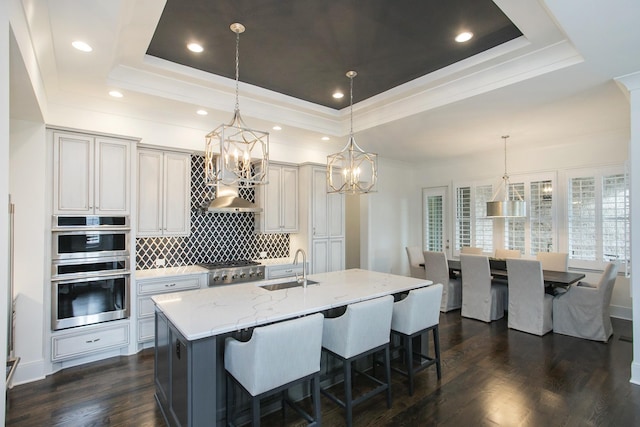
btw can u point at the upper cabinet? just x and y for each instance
(164, 193)
(91, 174)
(279, 200)
(327, 209)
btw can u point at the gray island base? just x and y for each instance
(191, 328)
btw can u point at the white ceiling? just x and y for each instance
(551, 85)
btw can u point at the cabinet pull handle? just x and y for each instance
(94, 340)
(289, 270)
(178, 348)
(169, 286)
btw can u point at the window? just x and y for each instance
(541, 217)
(473, 228)
(463, 217)
(434, 222)
(514, 228)
(598, 217)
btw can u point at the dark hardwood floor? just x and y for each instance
(492, 376)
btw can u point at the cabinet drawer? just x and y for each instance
(84, 342)
(146, 329)
(145, 307)
(283, 271)
(171, 284)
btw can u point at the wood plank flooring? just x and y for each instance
(492, 376)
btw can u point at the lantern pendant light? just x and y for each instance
(352, 170)
(244, 153)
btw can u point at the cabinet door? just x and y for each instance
(149, 193)
(319, 203)
(320, 256)
(289, 199)
(336, 255)
(335, 207)
(177, 194)
(112, 179)
(272, 207)
(72, 174)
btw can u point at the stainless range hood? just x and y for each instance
(227, 200)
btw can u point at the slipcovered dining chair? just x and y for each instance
(362, 330)
(481, 299)
(415, 259)
(413, 316)
(583, 311)
(507, 253)
(554, 261)
(437, 271)
(469, 250)
(276, 357)
(530, 308)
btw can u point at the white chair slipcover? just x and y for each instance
(437, 271)
(481, 299)
(583, 311)
(530, 308)
(507, 253)
(418, 313)
(469, 250)
(554, 261)
(363, 329)
(276, 356)
(415, 259)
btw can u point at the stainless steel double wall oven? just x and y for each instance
(90, 270)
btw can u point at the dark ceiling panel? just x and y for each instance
(303, 48)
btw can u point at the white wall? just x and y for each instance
(28, 187)
(4, 188)
(389, 214)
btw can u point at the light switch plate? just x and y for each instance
(263, 254)
(159, 262)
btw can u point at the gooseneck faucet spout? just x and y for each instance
(304, 267)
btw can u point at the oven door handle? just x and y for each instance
(68, 281)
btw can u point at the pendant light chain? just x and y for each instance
(237, 108)
(351, 106)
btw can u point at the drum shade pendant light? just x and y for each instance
(506, 207)
(244, 153)
(352, 170)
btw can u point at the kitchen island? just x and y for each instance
(191, 327)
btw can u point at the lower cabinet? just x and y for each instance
(148, 287)
(185, 377)
(327, 255)
(88, 340)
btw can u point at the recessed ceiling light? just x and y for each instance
(338, 95)
(116, 94)
(195, 47)
(82, 46)
(202, 112)
(276, 127)
(325, 138)
(464, 37)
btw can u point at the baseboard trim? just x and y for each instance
(620, 312)
(28, 372)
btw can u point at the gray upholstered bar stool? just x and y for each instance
(362, 330)
(413, 316)
(276, 357)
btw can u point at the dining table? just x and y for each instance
(498, 268)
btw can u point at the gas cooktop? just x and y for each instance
(228, 264)
(235, 271)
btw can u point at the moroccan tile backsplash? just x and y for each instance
(214, 236)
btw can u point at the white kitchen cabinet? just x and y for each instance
(279, 271)
(88, 340)
(91, 174)
(322, 221)
(147, 287)
(279, 200)
(164, 193)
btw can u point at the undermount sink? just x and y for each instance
(286, 285)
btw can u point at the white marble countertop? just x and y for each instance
(170, 271)
(207, 312)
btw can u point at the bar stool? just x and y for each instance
(413, 316)
(276, 357)
(362, 330)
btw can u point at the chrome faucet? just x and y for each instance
(304, 267)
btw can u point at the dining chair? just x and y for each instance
(437, 270)
(583, 311)
(554, 261)
(415, 259)
(481, 299)
(469, 250)
(364, 329)
(276, 357)
(507, 253)
(530, 308)
(414, 316)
